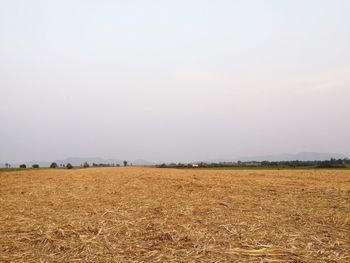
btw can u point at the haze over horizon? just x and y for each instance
(173, 81)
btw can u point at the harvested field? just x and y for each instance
(169, 215)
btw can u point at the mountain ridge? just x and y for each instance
(301, 156)
(77, 161)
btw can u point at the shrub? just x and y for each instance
(23, 166)
(53, 165)
(35, 165)
(69, 166)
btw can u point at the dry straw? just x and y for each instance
(168, 215)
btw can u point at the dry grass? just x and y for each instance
(166, 215)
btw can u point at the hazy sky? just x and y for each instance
(173, 80)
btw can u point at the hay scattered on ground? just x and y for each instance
(168, 215)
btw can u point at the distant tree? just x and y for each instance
(7, 165)
(86, 165)
(69, 166)
(53, 165)
(35, 165)
(23, 166)
(117, 165)
(265, 163)
(125, 163)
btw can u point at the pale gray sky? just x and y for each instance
(173, 80)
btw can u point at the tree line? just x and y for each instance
(332, 163)
(54, 165)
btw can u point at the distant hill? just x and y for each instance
(302, 156)
(142, 162)
(77, 161)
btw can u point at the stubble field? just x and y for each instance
(170, 215)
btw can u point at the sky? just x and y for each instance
(173, 80)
